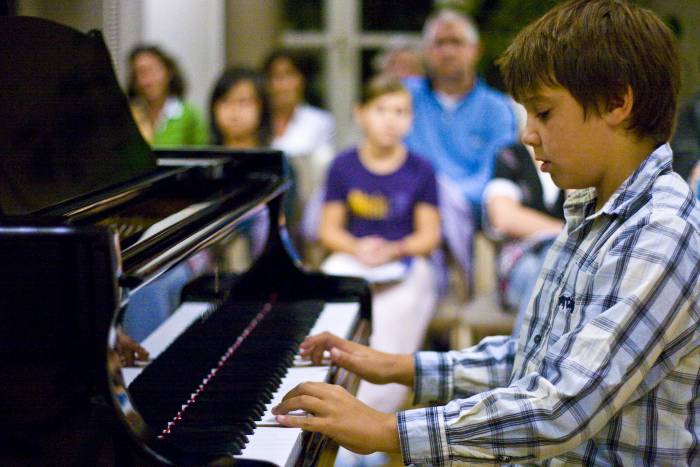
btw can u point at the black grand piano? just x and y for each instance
(90, 218)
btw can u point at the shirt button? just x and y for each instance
(538, 338)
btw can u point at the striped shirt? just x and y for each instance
(607, 367)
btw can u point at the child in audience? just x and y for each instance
(240, 119)
(605, 370)
(238, 110)
(381, 207)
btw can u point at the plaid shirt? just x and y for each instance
(607, 367)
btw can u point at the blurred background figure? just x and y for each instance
(239, 114)
(401, 58)
(305, 133)
(460, 122)
(299, 129)
(380, 211)
(156, 91)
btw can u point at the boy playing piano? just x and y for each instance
(606, 367)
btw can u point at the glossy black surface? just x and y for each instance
(66, 125)
(79, 193)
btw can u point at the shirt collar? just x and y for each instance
(580, 205)
(173, 108)
(478, 83)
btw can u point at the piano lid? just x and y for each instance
(66, 129)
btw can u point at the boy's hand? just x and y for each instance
(334, 412)
(369, 364)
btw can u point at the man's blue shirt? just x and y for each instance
(461, 142)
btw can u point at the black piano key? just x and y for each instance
(228, 400)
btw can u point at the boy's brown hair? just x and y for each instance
(596, 49)
(381, 85)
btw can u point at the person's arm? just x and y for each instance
(510, 218)
(643, 321)
(425, 236)
(434, 376)
(588, 375)
(332, 232)
(369, 364)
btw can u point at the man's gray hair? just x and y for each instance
(450, 16)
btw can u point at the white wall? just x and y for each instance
(193, 32)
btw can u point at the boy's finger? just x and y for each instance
(347, 360)
(303, 402)
(305, 422)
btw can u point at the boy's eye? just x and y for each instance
(544, 115)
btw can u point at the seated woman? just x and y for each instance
(156, 90)
(381, 207)
(304, 132)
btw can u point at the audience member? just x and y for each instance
(240, 119)
(156, 91)
(381, 207)
(524, 212)
(400, 59)
(304, 132)
(460, 122)
(299, 129)
(239, 113)
(605, 371)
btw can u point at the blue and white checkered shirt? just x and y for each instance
(607, 367)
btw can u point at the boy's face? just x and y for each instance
(573, 150)
(386, 119)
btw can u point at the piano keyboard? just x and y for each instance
(268, 441)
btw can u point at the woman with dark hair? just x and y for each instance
(238, 110)
(305, 133)
(298, 128)
(156, 91)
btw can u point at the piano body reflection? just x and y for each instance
(91, 217)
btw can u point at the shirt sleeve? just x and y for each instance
(440, 376)
(428, 191)
(643, 302)
(335, 188)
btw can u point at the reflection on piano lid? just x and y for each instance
(89, 216)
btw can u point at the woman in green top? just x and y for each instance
(156, 90)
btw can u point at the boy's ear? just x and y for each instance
(619, 108)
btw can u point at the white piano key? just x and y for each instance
(337, 318)
(272, 442)
(281, 446)
(294, 377)
(177, 323)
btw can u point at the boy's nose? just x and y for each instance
(529, 137)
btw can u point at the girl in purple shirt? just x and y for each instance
(380, 207)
